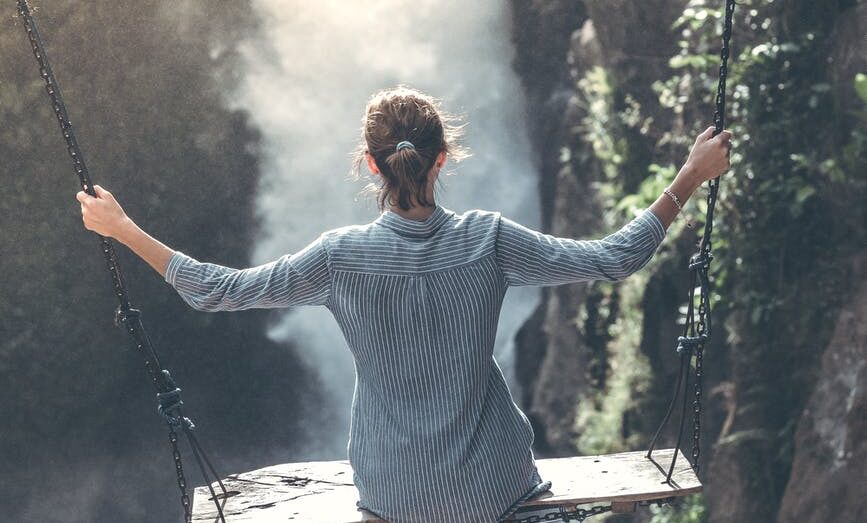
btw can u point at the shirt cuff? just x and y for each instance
(655, 224)
(175, 262)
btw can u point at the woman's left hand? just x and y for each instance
(102, 214)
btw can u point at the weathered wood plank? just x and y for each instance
(315, 492)
(323, 492)
(628, 476)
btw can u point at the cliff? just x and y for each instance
(617, 92)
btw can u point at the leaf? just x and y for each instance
(804, 193)
(861, 86)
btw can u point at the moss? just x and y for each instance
(606, 427)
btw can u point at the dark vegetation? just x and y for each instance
(81, 439)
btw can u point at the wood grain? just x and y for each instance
(323, 492)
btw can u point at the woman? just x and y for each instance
(435, 434)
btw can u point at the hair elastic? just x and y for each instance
(405, 145)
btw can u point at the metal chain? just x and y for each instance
(698, 327)
(704, 308)
(126, 317)
(179, 470)
(579, 514)
(696, 411)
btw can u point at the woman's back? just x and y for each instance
(434, 430)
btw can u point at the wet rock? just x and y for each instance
(828, 475)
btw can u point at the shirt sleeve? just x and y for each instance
(303, 278)
(529, 257)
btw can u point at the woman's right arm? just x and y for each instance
(708, 158)
(529, 257)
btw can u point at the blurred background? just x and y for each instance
(225, 127)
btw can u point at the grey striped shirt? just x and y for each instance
(435, 434)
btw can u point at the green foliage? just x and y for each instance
(600, 428)
(691, 510)
(861, 86)
(600, 123)
(789, 215)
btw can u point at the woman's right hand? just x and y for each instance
(708, 159)
(709, 156)
(102, 214)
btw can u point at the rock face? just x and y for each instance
(828, 479)
(828, 476)
(558, 361)
(551, 357)
(794, 353)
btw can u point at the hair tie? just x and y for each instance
(405, 145)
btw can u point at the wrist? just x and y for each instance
(688, 179)
(126, 230)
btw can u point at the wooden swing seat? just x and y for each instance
(323, 492)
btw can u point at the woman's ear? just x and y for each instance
(438, 164)
(441, 160)
(371, 163)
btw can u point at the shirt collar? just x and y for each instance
(415, 228)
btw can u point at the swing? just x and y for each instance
(324, 492)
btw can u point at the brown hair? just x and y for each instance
(404, 114)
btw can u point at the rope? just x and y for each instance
(126, 317)
(170, 403)
(697, 327)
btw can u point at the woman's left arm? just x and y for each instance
(103, 215)
(302, 278)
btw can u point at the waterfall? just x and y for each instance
(307, 76)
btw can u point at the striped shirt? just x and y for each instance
(434, 433)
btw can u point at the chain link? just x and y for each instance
(179, 470)
(579, 514)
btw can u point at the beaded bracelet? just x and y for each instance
(674, 198)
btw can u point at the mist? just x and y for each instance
(198, 116)
(306, 77)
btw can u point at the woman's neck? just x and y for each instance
(418, 212)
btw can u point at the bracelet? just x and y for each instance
(674, 198)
